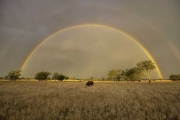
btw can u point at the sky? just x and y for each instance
(41, 27)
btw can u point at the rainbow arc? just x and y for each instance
(93, 25)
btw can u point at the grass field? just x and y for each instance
(103, 101)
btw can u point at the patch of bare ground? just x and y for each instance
(103, 101)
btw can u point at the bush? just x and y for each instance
(174, 77)
(14, 75)
(57, 76)
(42, 75)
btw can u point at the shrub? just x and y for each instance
(42, 75)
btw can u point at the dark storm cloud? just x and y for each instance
(25, 23)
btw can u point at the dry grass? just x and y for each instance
(103, 101)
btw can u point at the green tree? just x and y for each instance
(57, 76)
(42, 75)
(138, 74)
(174, 77)
(61, 77)
(146, 66)
(14, 75)
(114, 74)
(133, 74)
(123, 75)
(119, 74)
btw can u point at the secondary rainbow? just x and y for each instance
(91, 25)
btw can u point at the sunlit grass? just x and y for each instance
(103, 101)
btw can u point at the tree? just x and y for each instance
(146, 66)
(115, 74)
(123, 75)
(174, 77)
(42, 75)
(61, 77)
(112, 74)
(119, 74)
(133, 74)
(14, 75)
(138, 74)
(57, 76)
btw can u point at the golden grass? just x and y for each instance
(103, 101)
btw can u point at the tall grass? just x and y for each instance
(75, 101)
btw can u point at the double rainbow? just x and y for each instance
(93, 25)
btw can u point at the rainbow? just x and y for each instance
(92, 25)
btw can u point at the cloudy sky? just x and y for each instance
(89, 49)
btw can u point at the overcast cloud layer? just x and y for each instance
(86, 51)
(25, 23)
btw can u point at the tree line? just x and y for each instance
(174, 77)
(43, 75)
(141, 71)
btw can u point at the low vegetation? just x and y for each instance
(103, 101)
(174, 77)
(14, 75)
(141, 71)
(57, 76)
(42, 75)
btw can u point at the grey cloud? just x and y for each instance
(24, 24)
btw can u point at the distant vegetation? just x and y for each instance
(142, 71)
(42, 75)
(57, 76)
(14, 75)
(175, 77)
